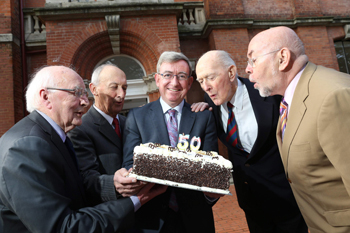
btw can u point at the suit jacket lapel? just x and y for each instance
(296, 112)
(105, 128)
(57, 141)
(156, 116)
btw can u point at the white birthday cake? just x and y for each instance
(198, 170)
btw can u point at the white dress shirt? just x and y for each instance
(247, 126)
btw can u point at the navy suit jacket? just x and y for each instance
(261, 185)
(100, 154)
(41, 189)
(147, 124)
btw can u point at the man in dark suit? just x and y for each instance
(41, 189)
(192, 211)
(262, 189)
(98, 141)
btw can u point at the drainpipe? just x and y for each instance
(24, 58)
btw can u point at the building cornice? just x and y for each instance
(212, 24)
(67, 11)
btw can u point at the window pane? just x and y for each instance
(340, 56)
(131, 67)
(347, 53)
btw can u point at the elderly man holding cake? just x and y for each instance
(161, 122)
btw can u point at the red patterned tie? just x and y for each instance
(283, 116)
(231, 126)
(116, 127)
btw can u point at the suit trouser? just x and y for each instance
(293, 225)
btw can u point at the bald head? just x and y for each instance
(217, 75)
(277, 38)
(275, 56)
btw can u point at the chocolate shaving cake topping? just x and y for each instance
(190, 168)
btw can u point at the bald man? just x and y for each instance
(314, 126)
(98, 141)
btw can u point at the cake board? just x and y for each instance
(180, 185)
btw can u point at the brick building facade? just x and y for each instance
(83, 33)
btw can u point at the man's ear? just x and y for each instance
(232, 71)
(158, 78)
(190, 81)
(44, 98)
(93, 89)
(284, 56)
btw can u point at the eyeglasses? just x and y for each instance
(78, 92)
(171, 76)
(251, 61)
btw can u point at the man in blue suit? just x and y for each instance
(263, 191)
(193, 210)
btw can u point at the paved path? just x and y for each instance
(228, 216)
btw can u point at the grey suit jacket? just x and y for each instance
(41, 189)
(147, 124)
(315, 150)
(100, 154)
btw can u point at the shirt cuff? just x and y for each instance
(136, 201)
(210, 199)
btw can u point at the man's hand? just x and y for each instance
(149, 191)
(126, 186)
(200, 106)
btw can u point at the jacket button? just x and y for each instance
(246, 182)
(247, 165)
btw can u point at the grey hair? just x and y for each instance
(225, 59)
(95, 77)
(40, 79)
(171, 57)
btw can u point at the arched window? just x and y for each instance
(131, 67)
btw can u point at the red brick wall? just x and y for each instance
(64, 37)
(34, 3)
(338, 7)
(7, 111)
(268, 9)
(84, 43)
(5, 16)
(220, 9)
(193, 49)
(317, 45)
(235, 42)
(35, 60)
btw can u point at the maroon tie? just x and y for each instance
(116, 127)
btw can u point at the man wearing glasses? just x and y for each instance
(314, 127)
(246, 123)
(178, 210)
(41, 189)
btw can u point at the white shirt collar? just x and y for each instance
(166, 107)
(237, 98)
(106, 116)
